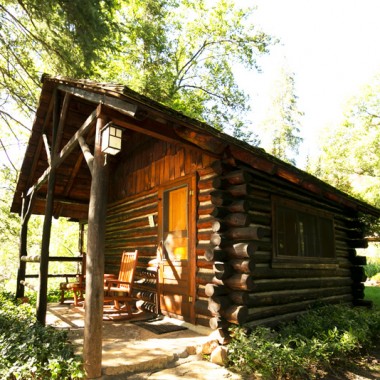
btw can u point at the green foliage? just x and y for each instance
(372, 293)
(350, 157)
(53, 296)
(66, 243)
(181, 53)
(281, 127)
(31, 351)
(317, 340)
(372, 267)
(178, 52)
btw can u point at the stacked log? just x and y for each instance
(128, 228)
(245, 285)
(204, 231)
(236, 234)
(349, 234)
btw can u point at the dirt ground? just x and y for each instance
(367, 367)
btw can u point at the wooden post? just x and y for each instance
(93, 334)
(46, 231)
(44, 262)
(25, 216)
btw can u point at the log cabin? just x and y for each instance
(236, 235)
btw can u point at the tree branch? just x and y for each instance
(14, 119)
(6, 153)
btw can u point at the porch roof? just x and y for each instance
(78, 100)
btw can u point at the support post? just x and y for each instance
(93, 333)
(23, 250)
(46, 231)
(44, 262)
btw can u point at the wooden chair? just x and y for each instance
(77, 287)
(118, 292)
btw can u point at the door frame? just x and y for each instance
(191, 182)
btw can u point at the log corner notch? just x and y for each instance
(236, 236)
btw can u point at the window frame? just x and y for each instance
(302, 260)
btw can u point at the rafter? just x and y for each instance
(66, 150)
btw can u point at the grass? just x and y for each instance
(373, 293)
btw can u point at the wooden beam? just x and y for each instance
(204, 141)
(40, 143)
(92, 346)
(37, 258)
(152, 128)
(47, 148)
(70, 146)
(29, 285)
(120, 105)
(65, 200)
(86, 153)
(65, 152)
(147, 127)
(69, 185)
(62, 122)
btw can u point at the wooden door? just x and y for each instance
(177, 246)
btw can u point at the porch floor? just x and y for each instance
(129, 349)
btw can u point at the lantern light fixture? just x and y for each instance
(111, 139)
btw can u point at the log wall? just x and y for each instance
(134, 202)
(241, 283)
(237, 280)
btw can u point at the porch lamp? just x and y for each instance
(111, 139)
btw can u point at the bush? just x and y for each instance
(372, 268)
(298, 350)
(29, 350)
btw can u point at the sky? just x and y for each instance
(331, 46)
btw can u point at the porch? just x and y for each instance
(130, 351)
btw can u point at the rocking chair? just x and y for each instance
(118, 292)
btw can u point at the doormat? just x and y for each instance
(159, 326)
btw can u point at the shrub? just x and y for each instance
(29, 350)
(297, 350)
(372, 268)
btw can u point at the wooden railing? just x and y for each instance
(36, 259)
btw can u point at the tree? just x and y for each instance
(281, 126)
(180, 53)
(48, 36)
(350, 158)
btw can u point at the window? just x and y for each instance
(175, 223)
(302, 231)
